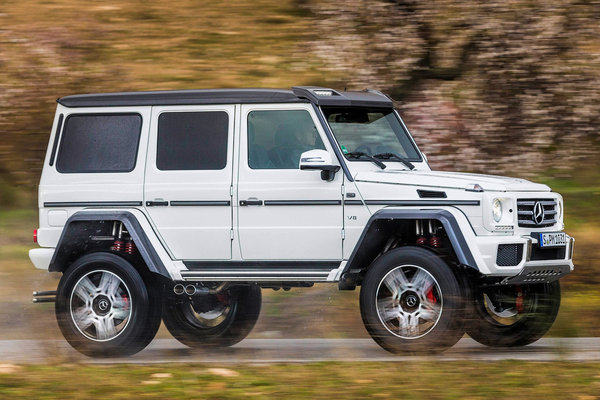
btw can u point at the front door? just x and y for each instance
(187, 190)
(285, 213)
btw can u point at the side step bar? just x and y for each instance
(257, 275)
(48, 296)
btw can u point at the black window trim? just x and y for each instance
(59, 126)
(229, 132)
(402, 124)
(100, 114)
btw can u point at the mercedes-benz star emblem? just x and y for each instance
(411, 301)
(538, 213)
(103, 305)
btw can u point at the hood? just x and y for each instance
(454, 180)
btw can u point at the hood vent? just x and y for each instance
(431, 194)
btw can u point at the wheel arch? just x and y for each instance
(384, 222)
(77, 239)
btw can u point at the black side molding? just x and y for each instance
(408, 203)
(92, 204)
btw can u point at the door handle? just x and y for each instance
(157, 203)
(251, 202)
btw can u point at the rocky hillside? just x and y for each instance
(501, 86)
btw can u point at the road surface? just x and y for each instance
(300, 351)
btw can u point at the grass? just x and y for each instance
(407, 380)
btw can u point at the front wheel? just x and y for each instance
(411, 302)
(215, 320)
(514, 315)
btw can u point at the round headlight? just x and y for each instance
(497, 210)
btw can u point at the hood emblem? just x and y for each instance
(538, 213)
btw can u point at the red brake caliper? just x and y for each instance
(431, 297)
(519, 300)
(125, 300)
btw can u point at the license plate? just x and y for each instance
(553, 239)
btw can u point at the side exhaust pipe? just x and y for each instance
(47, 296)
(193, 290)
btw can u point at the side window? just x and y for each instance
(99, 143)
(192, 140)
(276, 139)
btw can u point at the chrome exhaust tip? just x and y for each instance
(190, 290)
(178, 289)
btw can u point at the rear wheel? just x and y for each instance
(411, 302)
(104, 308)
(514, 315)
(214, 320)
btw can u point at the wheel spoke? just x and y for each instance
(85, 289)
(390, 313)
(109, 284)
(396, 282)
(83, 317)
(105, 328)
(422, 281)
(409, 324)
(428, 313)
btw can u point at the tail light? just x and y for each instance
(35, 236)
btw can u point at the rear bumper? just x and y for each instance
(41, 257)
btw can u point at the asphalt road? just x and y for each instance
(299, 351)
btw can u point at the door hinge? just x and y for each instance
(230, 191)
(231, 234)
(343, 234)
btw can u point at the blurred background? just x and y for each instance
(503, 87)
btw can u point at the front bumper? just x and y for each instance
(532, 261)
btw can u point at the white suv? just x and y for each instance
(182, 205)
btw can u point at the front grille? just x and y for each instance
(509, 255)
(536, 212)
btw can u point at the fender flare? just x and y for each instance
(143, 244)
(448, 221)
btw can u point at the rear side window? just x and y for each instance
(99, 143)
(192, 140)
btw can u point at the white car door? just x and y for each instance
(285, 213)
(187, 190)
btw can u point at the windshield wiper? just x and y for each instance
(360, 154)
(389, 156)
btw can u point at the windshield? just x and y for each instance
(370, 130)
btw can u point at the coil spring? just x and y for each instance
(118, 246)
(421, 240)
(435, 241)
(130, 247)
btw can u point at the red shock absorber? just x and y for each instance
(130, 247)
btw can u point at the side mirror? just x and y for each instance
(319, 160)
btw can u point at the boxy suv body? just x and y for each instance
(182, 205)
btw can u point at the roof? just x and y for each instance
(299, 94)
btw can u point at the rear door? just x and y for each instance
(187, 190)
